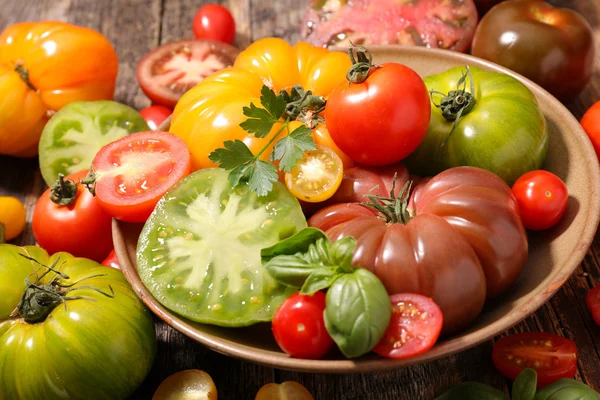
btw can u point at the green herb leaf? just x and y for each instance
(291, 148)
(319, 279)
(233, 155)
(342, 252)
(261, 122)
(472, 391)
(261, 177)
(524, 386)
(357, 312)
(567, 389)
(297, 243)
(290, 270)
(274, 103)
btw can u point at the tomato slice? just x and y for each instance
(288, 390)
(133, 173)
(593, 303)
(414, 328)
(551, 356)
(185, 385)
(316, 176)
(170, 70)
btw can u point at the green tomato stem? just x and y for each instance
(270, 142)
(64, 191)
(362, 63)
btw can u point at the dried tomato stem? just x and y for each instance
(362, 62)
(64, 191)
(394, 208)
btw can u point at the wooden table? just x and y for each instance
(137, 26)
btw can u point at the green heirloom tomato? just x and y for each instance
(501, 128)
(77, 331)
(199, 252)
(73, 136)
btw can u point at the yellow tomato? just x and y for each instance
(12, 217)
(288, 390)
(191, 384)
(210, 113)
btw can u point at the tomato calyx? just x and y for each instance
(303, 106)
(457, 102)
(362, 62)
(393, 209)
(24, 75)
(64, 191)
(40, 299)
(90, 181)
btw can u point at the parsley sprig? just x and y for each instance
(244, 166)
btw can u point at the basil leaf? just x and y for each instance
(290, 270)
(318, 280)
(524, 386)
(297, 243)
(567, 389)
(342, 252)
(357, 312)
(472, 391)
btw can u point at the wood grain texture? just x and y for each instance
(135, 27)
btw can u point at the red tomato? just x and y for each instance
(591, 124)
(551, 356)
(542, 198)
(134, 172)
(299, 328)
(213, 21)
(593, 303)
(170, 70)
(155, 115)
(112, 260)
(82, 228)
(414, 328)
(374, 124)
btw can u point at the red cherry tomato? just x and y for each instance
(112, 260)
(593, 303)
(299, 327)
(134, 172)
(551, 356)
(82, 228)
(213, 21)
(542, 198)
(414, 328)
(591, 125)
(155, 115)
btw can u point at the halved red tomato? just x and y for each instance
(414, 328)
(551, 356)
(170, 70)
(131, 174)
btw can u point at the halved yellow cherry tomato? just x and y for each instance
(288, 390)
(12, 217)
(316, 176)
(189, 384)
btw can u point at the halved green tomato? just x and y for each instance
(73, 135)
(199, 252)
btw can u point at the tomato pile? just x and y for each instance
(357, 207)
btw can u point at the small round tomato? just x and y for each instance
(131, 174)
(111, 260)
(299, 327)
(188, 384)
(213, 21)
(593, 303)
(317, 176)
(288, 390)
(12, 218)
(170, 70)
(551, 356)
(414, 328)
(322, 136)
(542, 198)
(155, 115)
(591, 124)
(81, 228)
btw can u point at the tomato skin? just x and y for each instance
(155, 115)
(191, 383)
(111, 341)
(288, 390)
(590, 122)
(542, 198)
(82, 228)
(51, 53)
(556, 356)
(213, 21)
(299, 328)
(593, 303)
(394, 122)
(111, 260)
(12, 216)
(416, 323)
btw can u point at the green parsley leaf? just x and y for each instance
(291, 148)
(275, 104)
(239, 174)
(262, 177)
(261, 120)
(234, 154)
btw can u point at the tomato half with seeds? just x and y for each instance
(131, 174)
(414, 328)
(316, 176)
(170, 70)
(551, 356)
(199, 252)
(185, 385)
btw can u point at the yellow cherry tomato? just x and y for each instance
(12, 217)
(316, 176)
(211, 112)
(191, 384)
(288, 390)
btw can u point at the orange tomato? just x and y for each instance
(43, 67)
(210, 113)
